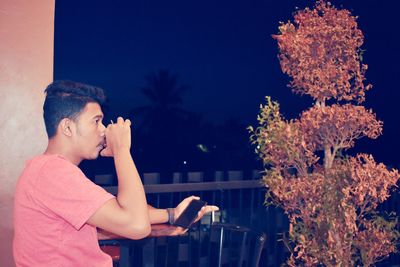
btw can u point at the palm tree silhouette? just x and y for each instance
(165, 97)
(162, 123)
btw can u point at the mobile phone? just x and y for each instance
(188, 216)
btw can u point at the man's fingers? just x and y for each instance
(211, 208)
(120, 120)
(207, 209)
(181, 230)
(105, 152)
(192, 197)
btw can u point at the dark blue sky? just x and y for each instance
(222, 50)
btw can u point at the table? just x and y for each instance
(126, 244)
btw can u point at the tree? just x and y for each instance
(329, 197)
(160, 122)
(166, 98)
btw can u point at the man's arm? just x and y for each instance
(126, 215)
(157, 216)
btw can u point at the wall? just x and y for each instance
(26, 67)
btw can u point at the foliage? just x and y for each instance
(330, 198)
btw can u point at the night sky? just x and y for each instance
(222, 50)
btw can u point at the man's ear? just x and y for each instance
(65, 126)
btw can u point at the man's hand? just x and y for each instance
(182, 206)
(166, 230)
(118, 136)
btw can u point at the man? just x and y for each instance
(57, 209)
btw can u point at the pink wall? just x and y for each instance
(26, 67)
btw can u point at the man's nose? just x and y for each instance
(102, 129)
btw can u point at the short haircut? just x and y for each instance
(67, 99)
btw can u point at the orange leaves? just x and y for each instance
(377, 240)
(302, 196)
(330, 204)
(320, 53)
(371, 182)
(338, 125)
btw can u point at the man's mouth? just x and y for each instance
(102, 144)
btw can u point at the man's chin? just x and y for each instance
(93, 156)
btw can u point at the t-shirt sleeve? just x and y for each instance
(67, 192)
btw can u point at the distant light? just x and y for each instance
(184, 162)
(203, 148)
(258, 147)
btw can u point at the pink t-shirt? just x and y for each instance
(53, 201)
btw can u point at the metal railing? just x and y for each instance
(241, 202)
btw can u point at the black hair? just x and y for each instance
(67, 99)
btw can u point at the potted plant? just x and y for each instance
(329, 197)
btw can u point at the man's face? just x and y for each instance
(89, 136)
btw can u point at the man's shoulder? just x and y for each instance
(46, 164)
(36, 171)
(49, 171)
(47, 161)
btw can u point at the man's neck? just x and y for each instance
(55, 147)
